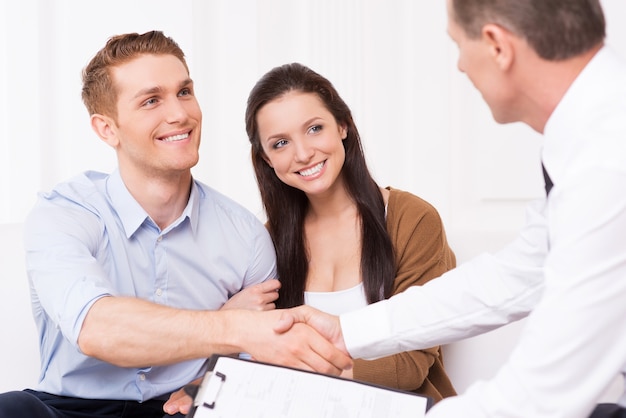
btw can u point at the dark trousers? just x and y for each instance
(608, 410)
(33, 404)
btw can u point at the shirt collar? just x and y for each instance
(132, 215)
(192, 209)
(562, 133)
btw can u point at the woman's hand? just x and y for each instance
(180, 401)
(258, 297)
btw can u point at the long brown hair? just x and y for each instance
(286, 206)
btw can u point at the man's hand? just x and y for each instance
(280, 337)
(300, 347)
(259, 297)
(327, 325)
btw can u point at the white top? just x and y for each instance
(566, 271)
(338, 302)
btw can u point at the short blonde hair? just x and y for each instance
(99, 94)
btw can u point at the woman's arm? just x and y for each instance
(422, 254)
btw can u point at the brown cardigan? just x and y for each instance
(422, 254)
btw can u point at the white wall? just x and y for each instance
(425, 129)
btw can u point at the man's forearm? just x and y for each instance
(130, 332)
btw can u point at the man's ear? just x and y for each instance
(104, 127)
(500, 44)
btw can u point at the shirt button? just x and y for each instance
(159, 292)
(142, 377)
(160, 238)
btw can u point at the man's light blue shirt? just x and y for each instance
(89, 238)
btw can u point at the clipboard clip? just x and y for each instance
(209, 390)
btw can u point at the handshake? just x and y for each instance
(302, 337)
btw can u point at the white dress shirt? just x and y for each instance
(566, 271)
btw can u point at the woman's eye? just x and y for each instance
(315, 129)
(280, 143)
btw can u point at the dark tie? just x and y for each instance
(547, 179)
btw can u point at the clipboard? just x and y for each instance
(236, 387)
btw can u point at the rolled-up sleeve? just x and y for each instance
(60, 240)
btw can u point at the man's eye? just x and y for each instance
(185, 92)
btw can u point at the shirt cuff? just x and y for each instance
(364, 329)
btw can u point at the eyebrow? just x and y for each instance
(156, 89)
(311, 120)
(305, 124)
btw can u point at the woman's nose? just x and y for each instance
(304, 152)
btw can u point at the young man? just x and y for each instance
(132, 272)
(544, 63)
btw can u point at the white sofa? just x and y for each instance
(19, 350)
(466, 361)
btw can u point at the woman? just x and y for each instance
(341, 240)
